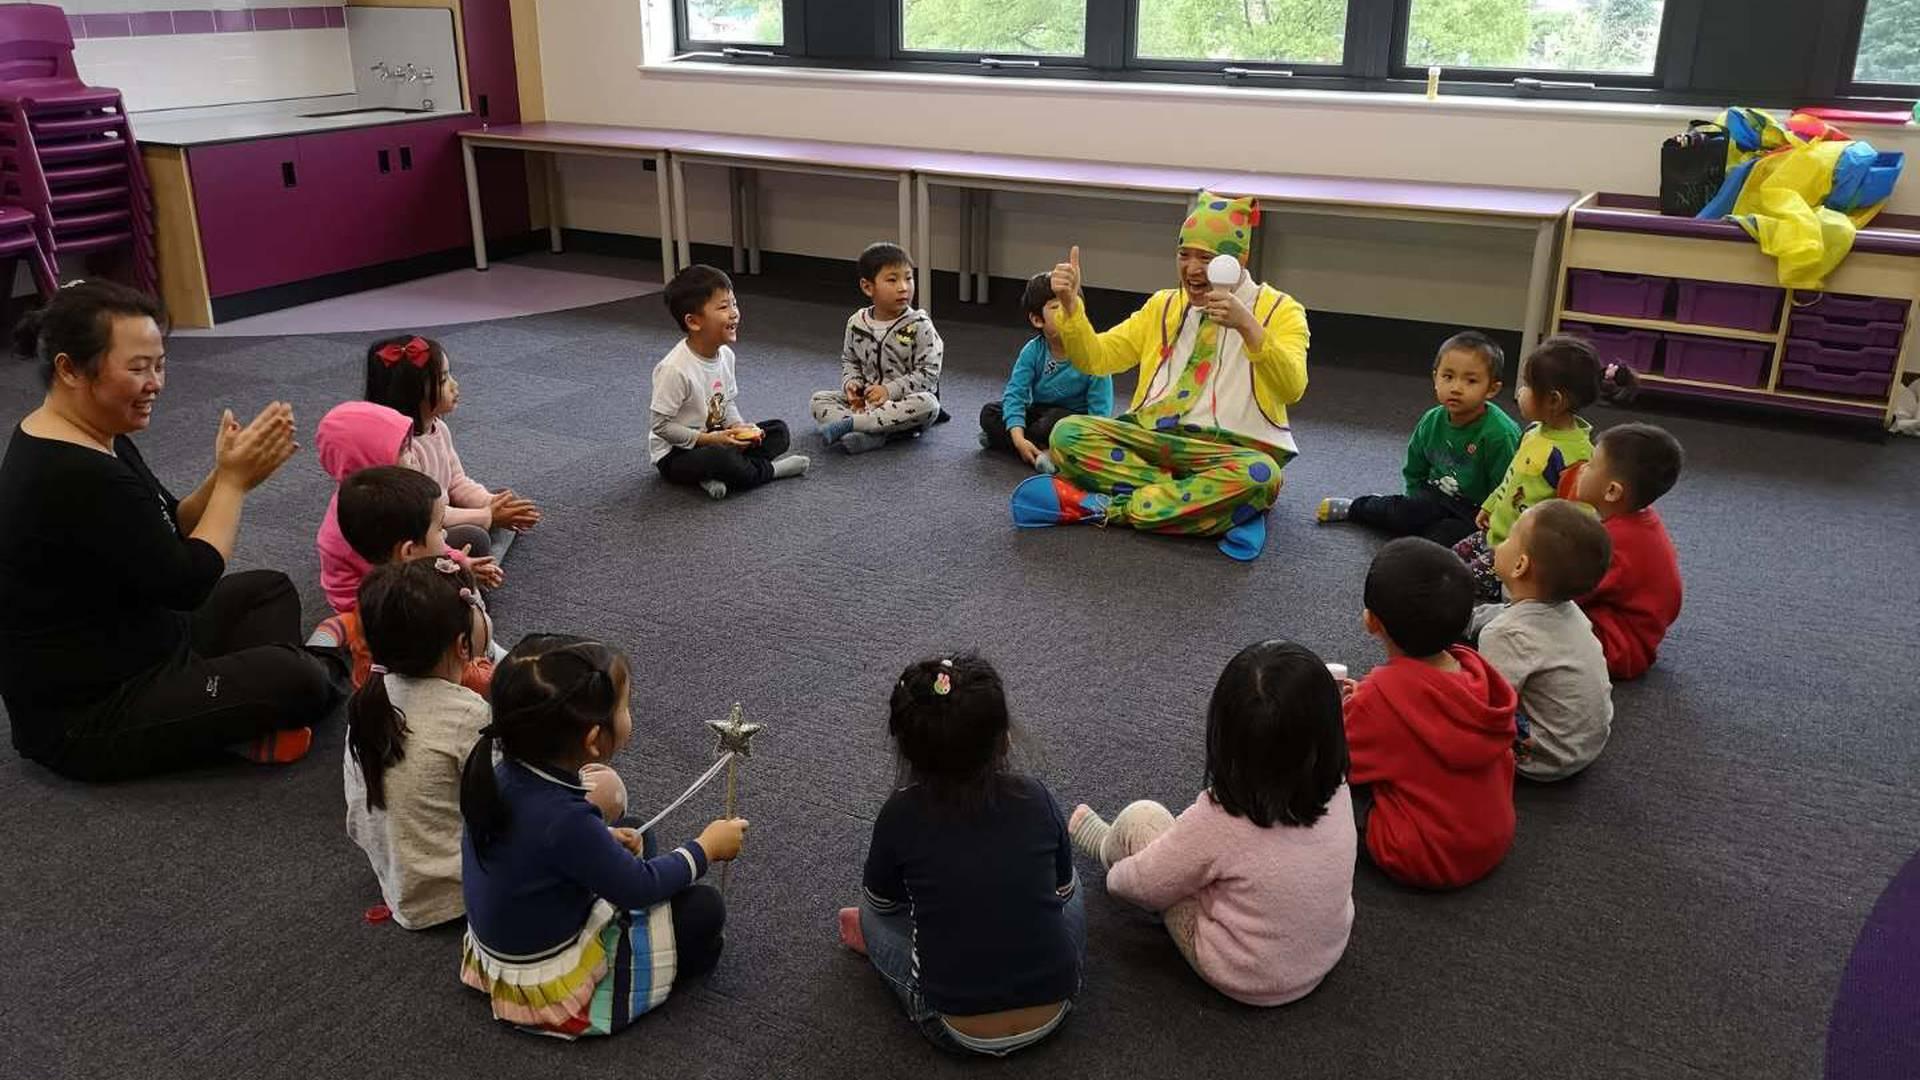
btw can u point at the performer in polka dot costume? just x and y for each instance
(1200, 450)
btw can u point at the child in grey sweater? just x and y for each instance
(889, 364)
(1543, 644)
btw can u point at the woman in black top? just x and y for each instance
(123, 651)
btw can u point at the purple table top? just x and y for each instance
(1539, 204)
(952, 165)
(586, 136)
(1066, 172)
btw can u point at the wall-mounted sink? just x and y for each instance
(387, 110)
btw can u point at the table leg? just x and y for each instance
(966, 245)
(554, 203)
(982, 270)
(661, 189)
(735, 220)
(1538, 282)
(473, 207)
(923, 241)
(680, 213)
(753, 221)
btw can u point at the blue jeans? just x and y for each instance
(890, 948)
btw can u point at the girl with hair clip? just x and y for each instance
(571, 928)
(413, 376)
(1560, 377)
(1255, 879)
(970, 910)
(409, 727)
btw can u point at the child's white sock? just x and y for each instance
(790, 466)
(714, 488)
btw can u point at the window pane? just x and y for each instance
(1616, 36)
(1889, 43)
(1000, 27)
(748, 22)
(1262, 31)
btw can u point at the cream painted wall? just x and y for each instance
(592, 54)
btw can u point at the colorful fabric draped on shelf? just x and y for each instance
(1801, 189)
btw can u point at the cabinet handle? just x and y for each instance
(386, 162)
(406, 159)
(288, 178)
(483, 107)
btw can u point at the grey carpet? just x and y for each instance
(1684, 909)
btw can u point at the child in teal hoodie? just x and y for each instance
(1458, 454)
(1043, 389)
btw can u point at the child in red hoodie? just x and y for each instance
(1631, 608)
(1432, 730)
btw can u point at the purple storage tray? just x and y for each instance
(1737, 307)
(1628, 296)
(1618, 344)
(1856, 308)
(1827, 357)
(1865, 384)
(1879, 335)
(1736, 363)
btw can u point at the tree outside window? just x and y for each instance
(1889, 43)
(746, 22)
(1602, 36)
(1000, 27)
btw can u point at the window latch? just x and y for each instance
(732, 53)
(996, 62)
(1256, 73)
(1527, 83)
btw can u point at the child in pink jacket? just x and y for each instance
(1255, 879)
(353, 436)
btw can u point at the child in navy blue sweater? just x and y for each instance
(570, 929)
(1043, 389)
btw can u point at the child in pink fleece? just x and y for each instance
(413, 376)
(1255, 879)
(352, 436)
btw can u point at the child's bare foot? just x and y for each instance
(850, 934)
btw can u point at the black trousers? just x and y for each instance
(699, 919)
(1430, 514)
(241, 672)
(1040, 421)
(740, 470)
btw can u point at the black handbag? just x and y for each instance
(1693, 165)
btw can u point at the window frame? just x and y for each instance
(792, 46)
(1850, 33)
(869, 35)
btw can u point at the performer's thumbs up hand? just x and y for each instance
(1066, 282)
(721, 839)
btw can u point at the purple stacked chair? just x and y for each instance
(67, 154)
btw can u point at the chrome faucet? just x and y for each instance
(380, 68)
(414, 74)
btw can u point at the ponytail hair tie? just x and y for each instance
(943, 684)
(377, 669)
(414, 351)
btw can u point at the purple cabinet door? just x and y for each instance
(353, 178)
(492, 83)
(493, 88)
(251, 200)
(431, 196)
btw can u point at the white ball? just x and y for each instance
(1224, 271)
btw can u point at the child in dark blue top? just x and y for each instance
(569, 930)
(1044, 387)
(971, 911)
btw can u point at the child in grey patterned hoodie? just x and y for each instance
(890, 364)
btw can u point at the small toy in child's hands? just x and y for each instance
(1338, 671)
(748, 432)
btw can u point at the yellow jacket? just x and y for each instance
(1257, 384)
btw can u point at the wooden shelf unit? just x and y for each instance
(1624, 234)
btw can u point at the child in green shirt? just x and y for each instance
(1459, 451)
(1561, 376)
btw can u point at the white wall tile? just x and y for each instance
(218, 69)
